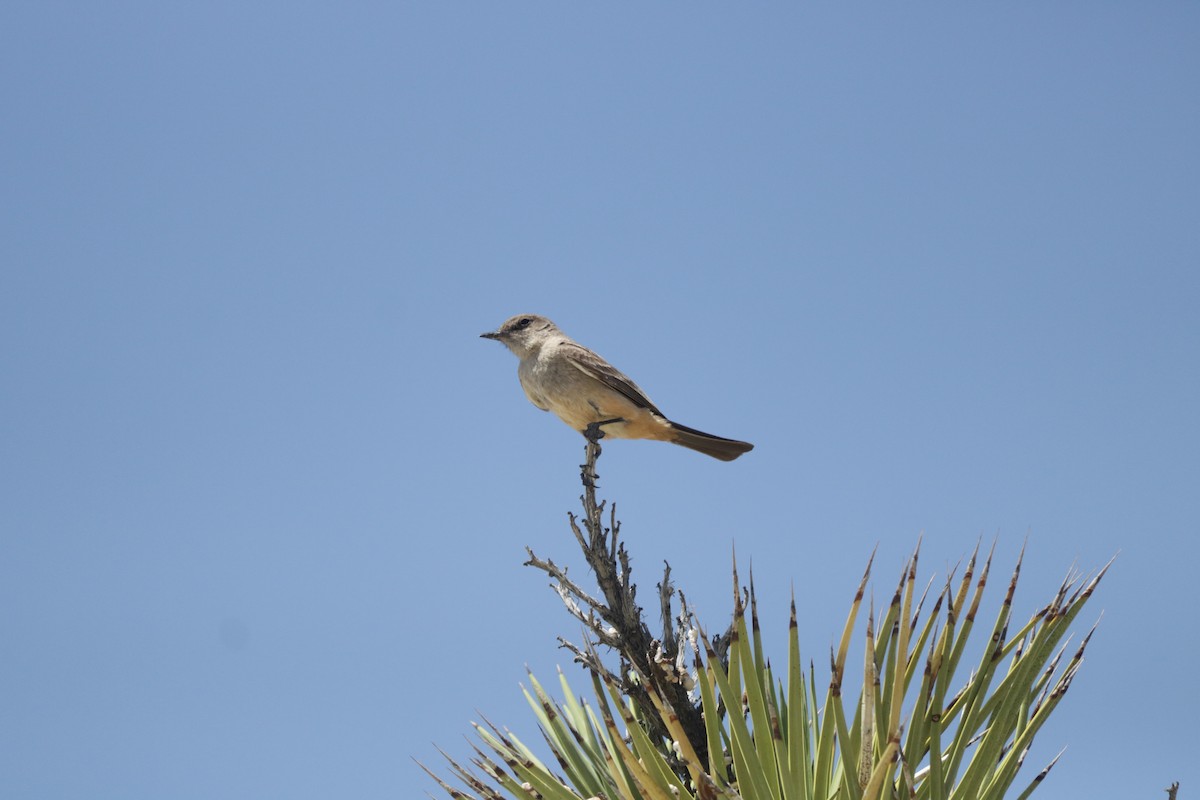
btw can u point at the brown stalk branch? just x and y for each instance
(616, 621)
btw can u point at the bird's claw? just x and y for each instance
(594, 433)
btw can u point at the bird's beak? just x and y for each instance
(489, 335)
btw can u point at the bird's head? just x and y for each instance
(524, 334)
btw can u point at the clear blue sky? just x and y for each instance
(265, 493)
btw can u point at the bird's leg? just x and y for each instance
(593, 432)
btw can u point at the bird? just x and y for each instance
(582, 389)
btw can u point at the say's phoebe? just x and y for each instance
(582, 388)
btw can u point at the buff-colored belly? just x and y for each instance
(589, 401)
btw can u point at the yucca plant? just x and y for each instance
(689, 716)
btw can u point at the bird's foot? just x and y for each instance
(594, 433)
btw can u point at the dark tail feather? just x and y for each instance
(715, 446)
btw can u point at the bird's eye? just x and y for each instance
(524, 322)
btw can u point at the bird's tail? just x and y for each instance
(715, 446)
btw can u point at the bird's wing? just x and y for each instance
(598, 369)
